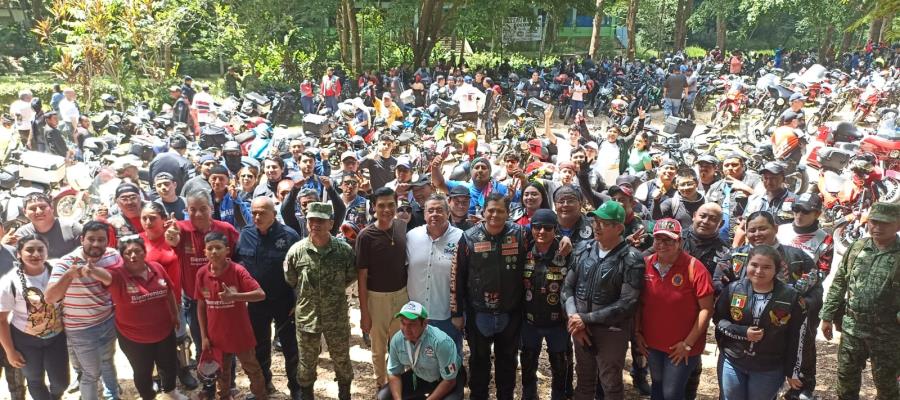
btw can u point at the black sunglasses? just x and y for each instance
(543, 227)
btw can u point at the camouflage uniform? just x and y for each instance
(319, 278)
(866, 291)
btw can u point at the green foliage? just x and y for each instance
(694, 52)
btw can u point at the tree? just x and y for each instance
(595, 32)
(630, 25)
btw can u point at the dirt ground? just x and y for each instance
(364, 383)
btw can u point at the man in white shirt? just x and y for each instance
(21, 112)
(68, 112)
(470, 100)
(429, 271)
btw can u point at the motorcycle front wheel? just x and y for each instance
(722, 120)
(797, 182)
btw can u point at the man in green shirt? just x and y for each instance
(866, 291)
(319, 268)
(423, 361)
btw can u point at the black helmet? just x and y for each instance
(379, 122)
(357, 143)
(36, 104)
(396, 128)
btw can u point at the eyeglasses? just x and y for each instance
(567, 202)
(543, 227)
(350, 183)
(129, 198)
(404, 209)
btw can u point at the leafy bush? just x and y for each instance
(694, 52)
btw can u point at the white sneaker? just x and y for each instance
(174, 395)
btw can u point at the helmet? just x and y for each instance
(231, 145)
(358, 143)
(434, 110)
(378, 122)
(396, 128)
(36, 104)
(108, 99)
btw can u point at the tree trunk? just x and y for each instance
(680, 28)
(37, 10)
(343, 34)
(595, 33)
(631, 28)
(721, 29)
(886, 26)
(875, 29)
(355, 48)
(826, 53)
(431, 21)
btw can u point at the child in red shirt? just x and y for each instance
(223, 290)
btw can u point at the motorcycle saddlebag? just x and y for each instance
(315, 125)
(142, 147)
(681, 127)
(9, 175)
(42, 167)
(536, 107)
(213, 136)
(833, 159)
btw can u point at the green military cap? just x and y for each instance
(319, 210)
(885, 212)
(610, 210)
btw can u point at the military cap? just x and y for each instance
(885, 212)
(319, 210)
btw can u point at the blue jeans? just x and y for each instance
(95, 348)
(307, 104)
(331, 102)
(669, 380)
(574, 107)
(671, 106)
(446, 325)
(740, 384)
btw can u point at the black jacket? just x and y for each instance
(544, 277)
(489, 270)
(799, 272)
(708, 250)
(604, 291)
(782, 321)
(263, 257)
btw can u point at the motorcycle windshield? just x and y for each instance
(887, 127)
(813, 74)
(767, 80)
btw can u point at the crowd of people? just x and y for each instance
(611, 250)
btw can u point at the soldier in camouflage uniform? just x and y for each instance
(864, 304)
(319, 268)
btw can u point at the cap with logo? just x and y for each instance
(667, 227)
(610, 211)
(319, 210)
(412, 310)
(807, 202)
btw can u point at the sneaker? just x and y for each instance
(174, 395)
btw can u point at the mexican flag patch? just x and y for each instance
(738, 300)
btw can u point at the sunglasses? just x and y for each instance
(350, 183)
(543, 227)
(404, 209)
(802, 211)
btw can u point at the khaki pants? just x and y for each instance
(251, 368)
(382, 307)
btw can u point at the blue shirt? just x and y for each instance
(477, 196)
(436, 360)
(263, 256)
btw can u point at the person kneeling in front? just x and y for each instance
(422, 361)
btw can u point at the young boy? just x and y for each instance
(223, 290)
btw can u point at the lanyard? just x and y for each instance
(413, 358)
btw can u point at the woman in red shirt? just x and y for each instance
(155, 223)
(676, 306)
(146, 315)
(223, 289)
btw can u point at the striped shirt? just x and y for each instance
(87, 303)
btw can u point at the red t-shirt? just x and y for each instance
(190, 250)
(227, 322)
(669, 305)
(143, 313)
(159, 251)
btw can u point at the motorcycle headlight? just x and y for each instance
(780, 101)
(895, 154)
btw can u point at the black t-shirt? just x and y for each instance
(381, 170)
(62, 236)
(177, 207)
(173, 163)
(675, 85)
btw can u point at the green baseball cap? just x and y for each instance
(412, 310)
(319, 210)
(611, 211)
(885, 212)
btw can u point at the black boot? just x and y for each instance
(558, 370)
(307, 393)
(343, 391)
(187, 379)
(529, 360)
(639, 380)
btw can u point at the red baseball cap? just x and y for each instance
(667, 227)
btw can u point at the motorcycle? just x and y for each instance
(730, 107)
